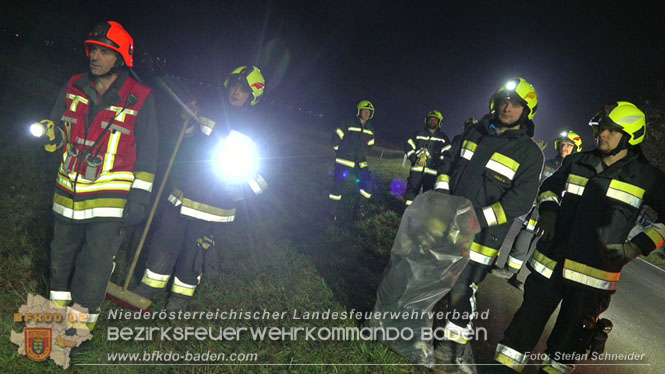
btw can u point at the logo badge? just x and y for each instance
(38, 343)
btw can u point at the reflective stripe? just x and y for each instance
(409, 202)
(371, 142)
(503, 165)
(657, 234)
(418, 137)
(155, 280)
(590, 276)
(199, 210)
(344, 162)
(89, 143)
(456, 333)
(207, 125)
(363, 164)
(365, 193)
(515, 263)
(90, 186)
(60, 295)
(548, 196)
(116, 128)
(356, 129)
(442, 182)
(182, 288)
(482, 254)
(335, 197)
(494, 214)
(513, 359)
(430, 171)
(258, 184)
(409, 153)
(121, 114)
(575, 184)
(468, 149)
(542, 264)
(531, 225)
(69, 119)
(81, 320)
(446, 148)
(628, 193)
(76, 99)
(88, 209)
(336, 147)
(340, 133)
(411, 143)
(550, 366)
(417, 168)
(143, 180)
(437, 139)
(368, 132)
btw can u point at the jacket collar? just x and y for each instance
(487, 128)
(112, 95)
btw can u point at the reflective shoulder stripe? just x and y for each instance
(509, 357)
(503, 165)
(340, 133)
(657, 234)
(590, 276)
(344, 162)
(121, 114)
(548, 196)
(542, 264)
(356, 129)
(76, 99)
(411, 143)
(482, 254)
(494, 214)
(575, 184)
(626, 192)
(419, 137)
(468, 149)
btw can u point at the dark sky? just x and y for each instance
(408, 57)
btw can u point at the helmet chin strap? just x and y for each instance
(623, 144)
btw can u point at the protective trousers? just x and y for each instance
(342, 173)
(462, 304)
(519, 252)
(82, 262)
(541, 298)
(177, 249)
(416, 180)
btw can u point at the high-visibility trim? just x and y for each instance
(96, 186)
(503, 165)
(344, 162)
(590, 276)
(69, 119)
(76, 99)
(515, 263)
(551, 366)
(420, 137)
(409, 153)
(121, 113)
(468, 149)
(548, 196)
(81, 320)
(408, 202)
(370, 132)
(258, 184)
(336, 147)
(111, 150)
(437, 139)
(183, 288)
(446, 148)
(542, 264)
(442, 182)
(365, 194)
(430, 171)
(509, 357)
(60, 295)
(88, 209)
(458, 334)
(417, 168)
(125, 176)
(199, 210)
(370, 142)
(363, 164)
(626, 192)
(482, 254)
(575, 184)
(340, 133)
(207, 125)
(335, 197)
(143, 180)
(494, 214)
(657, 234)
(155, 280)
(115, 128)
(88, 143)
(411, 143)
(531, 225)
(356, 129)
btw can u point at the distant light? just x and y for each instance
(37, 130)
(511, 85)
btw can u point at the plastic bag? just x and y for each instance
(428, 255)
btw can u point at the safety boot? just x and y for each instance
(178, 302)
(450, 357)
(148, 292)
(503, 272)
(516, 283)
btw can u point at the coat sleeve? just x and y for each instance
(653, 237)
(410, 148)
(56, 117)
(447, 162)
(518, 200)
(551, 190)
(336, 138)
(147, 140)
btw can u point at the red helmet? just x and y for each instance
(112, 35)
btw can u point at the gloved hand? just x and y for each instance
(422, 160)
(542, 145)
(134, 213)
(621, 254)
(546, 225)
(190, 112)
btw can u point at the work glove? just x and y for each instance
(422, 160)
(542, 145)
(621, 254)
(134, 213)
(546, 225)
(206, 260)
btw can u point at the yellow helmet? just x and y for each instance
(250, 75)
(569, 136)
(435, 113)
(624, 115)
(365, 104)
(520, 89)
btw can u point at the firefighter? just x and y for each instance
(495, 164)
(107, 130)
(201, 203)
(424, 149)
(351, 142)
(567, 143)
(587, 208)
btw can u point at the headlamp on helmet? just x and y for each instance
(520, 90)
(569, 137)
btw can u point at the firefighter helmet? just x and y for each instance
(365, 104)
(252, 78)
(622, 115)
(112, 35)
(570, 137)
(520, 89)
(436, 114)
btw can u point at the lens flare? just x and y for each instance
(398, 186)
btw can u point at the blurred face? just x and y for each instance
(102, 59)
(509, 111)
(608, 138)
(432, 122)
(566, 148)
(238, 94)
(365, 114)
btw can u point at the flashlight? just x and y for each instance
(37, 130)
(236, 158)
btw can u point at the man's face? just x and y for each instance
(509, 111)
(566, 148)
(238, 94)
(432, 122)
(365, 114)
(102, 59)
(608, 138)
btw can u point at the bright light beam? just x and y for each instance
(236, 158)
